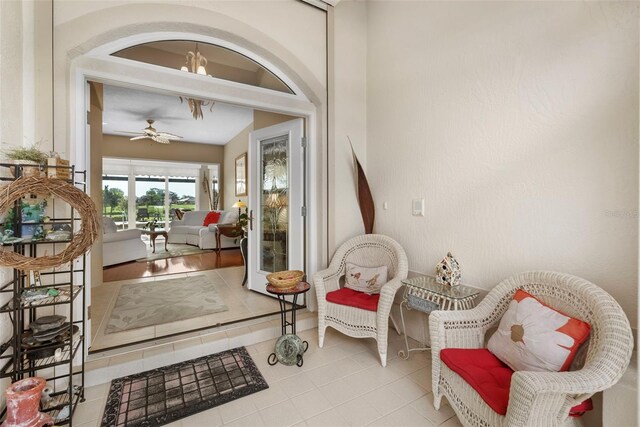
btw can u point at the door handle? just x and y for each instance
(251, 220)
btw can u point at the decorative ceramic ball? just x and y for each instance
(448, 271)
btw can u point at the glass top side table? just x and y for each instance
(424, 294)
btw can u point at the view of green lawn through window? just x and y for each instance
(150, 198)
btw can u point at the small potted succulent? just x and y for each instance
(31, 155)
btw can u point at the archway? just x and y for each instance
(91, 60)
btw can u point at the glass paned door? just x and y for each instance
(274, 203)
(276, 186)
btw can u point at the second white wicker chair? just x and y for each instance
(535, 398)
(370, 250)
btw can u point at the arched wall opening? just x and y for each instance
(78, 59)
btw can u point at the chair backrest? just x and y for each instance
(373, 250)
(610, 343)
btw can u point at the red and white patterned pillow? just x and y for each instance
(365, 279)
(535, 337)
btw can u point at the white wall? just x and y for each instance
(518, 123)
(350, 117)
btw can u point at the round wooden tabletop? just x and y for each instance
(300, 288)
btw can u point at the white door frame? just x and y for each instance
(98, 66)
(295, 169)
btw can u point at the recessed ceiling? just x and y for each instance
(126, 110)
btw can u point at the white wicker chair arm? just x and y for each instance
(457, 331)
(578, 383)
(461, 328)
(326, 281)
(537, 398)
(387, 295)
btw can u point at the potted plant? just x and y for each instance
(243, 221)
(31, 155)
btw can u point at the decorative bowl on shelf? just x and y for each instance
(285, 279)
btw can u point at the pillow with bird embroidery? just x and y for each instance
(534, 337)
(365, 279)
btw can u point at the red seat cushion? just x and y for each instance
(346, 296)
(489, 377)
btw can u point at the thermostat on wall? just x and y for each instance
(417, 208)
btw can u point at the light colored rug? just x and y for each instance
(163, 301)
(173, 250)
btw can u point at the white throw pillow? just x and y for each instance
(365, 279)
(535, 337)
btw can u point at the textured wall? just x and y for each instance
(518, 123)
(349, 89)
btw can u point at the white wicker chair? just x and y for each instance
(535, 398)
(371, 250)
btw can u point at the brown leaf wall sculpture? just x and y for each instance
(363, 193)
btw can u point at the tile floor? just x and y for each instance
(342, 384)
(242, 303)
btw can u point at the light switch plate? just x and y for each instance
(417, 207)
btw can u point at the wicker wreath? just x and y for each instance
(81, 241)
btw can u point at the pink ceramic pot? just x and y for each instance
(23, 402)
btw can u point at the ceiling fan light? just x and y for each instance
(202, 70)
(184, 68)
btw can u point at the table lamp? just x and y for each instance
(239, 204)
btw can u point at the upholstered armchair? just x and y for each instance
(371, 321)
(120, 246)
(534, 398)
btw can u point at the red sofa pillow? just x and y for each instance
(212, 218)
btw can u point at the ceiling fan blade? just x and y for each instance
(161, 140)
(168, 135)
(135, 138)
(130, 133)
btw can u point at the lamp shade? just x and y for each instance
(239, 204)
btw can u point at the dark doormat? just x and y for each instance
(164, 395)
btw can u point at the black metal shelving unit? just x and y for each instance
(64, 377)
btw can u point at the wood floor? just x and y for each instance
(184, 264)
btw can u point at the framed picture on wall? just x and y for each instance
(241, 175)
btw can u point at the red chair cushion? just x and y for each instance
(211, 218)
(489, 377)
(346, 296)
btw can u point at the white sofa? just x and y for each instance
(120, 246)
(189, 230)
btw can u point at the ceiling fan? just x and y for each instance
(151, 133)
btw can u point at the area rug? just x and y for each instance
(173, 250)
(163, 395)
(164, 301)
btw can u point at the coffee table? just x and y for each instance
(155, 233)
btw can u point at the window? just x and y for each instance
(114, 199)
(220, 62)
